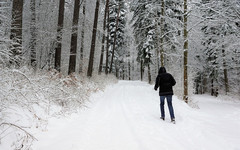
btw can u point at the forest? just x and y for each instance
(55, 53)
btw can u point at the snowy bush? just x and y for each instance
(28, 99)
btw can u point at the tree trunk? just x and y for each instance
(82, 37)
(32, 45)
(73, 48)
(149, 74)
(107, 48)
(185, 57)
(16, 30)
(225, 72)
(0, 14)
(94, 32)
(117, 69)
(104, 37)
(58, 49)
(158, 44)
(129, 70)
(133, 69)
(141, 69)
(123, 72)
(212, 87)
(162, 33)
(115, 38)
(237, 55)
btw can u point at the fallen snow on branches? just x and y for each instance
(28, 99)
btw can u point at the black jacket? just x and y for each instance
(165, 81)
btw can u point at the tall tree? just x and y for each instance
(221, 34)
(58, 49)
(108, 41)
(147, 53)
(139, 13)
(16, 29)
(73, 48)
(185, 52)
(94, 32)
(115, 37)
(118, 38)
(33, 33)
(104, 36)
(225, 70)
(5, 53)
(82, 36)
(129, 68)
(145, 32)
(162, 32)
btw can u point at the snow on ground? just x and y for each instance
(126, 117)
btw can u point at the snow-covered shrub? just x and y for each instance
(28, 99)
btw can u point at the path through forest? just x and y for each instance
(126, 117)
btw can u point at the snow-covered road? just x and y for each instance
(126, 117)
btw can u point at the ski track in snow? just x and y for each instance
(126, 116)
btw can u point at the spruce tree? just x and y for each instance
(219, 37)
(117, 43)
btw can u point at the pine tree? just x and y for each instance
(108, 41)
(94, 32)
(115, 37)
(82, 36)
(58, 49)
(73, 48)
(33, 33)
(104, 36)
(219, 36)
(144, 32)
(16, 30)
(5, 53)
(185, 50)
(162, 22)
(117, 43)
(172, 34)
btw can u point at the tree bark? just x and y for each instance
(225, 72)
(33, 56)
(123, 72)
(141, 69)
(73, 49)
(16, 30)
(158, 44)
(185, 57)
(115, 38)
(129, 70)
(162, 33)
(149, 74)
(107, 47)
(94, 32)
(58, 49)
(212, 87)
(104, 36)
(82, 37)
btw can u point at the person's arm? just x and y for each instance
(156, 83)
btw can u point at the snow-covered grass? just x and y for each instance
(28, 99)
(126, 117)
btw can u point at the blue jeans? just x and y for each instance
(170, 107)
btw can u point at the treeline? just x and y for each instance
(197, 41)
(71, 36)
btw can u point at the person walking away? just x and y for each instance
(165, 82)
